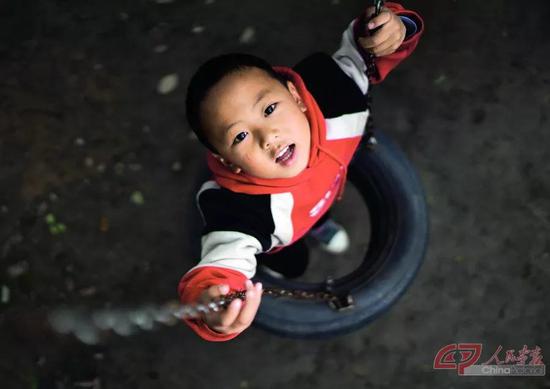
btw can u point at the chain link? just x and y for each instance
(197, 310)
(368, 140)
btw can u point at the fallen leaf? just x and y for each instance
(103, 224)
(137, 198)
(49, 219)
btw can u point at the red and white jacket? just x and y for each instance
(245, 215)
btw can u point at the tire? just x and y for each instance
(397, 206)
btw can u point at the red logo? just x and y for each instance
(457, 356)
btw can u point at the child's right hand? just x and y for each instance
(238, 315)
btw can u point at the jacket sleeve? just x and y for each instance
(195, 282)
(237, 227)
(352, 58)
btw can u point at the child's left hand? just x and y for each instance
(388, 38)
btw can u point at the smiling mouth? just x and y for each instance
(286, 154)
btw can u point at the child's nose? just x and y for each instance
(269, 138)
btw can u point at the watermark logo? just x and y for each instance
(457, 356)
(463, 356)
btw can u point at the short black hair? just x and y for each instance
(209, 74)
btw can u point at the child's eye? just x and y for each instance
(240, 137)
(270, 108)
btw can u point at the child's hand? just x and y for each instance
(390, 35)
(239, 315)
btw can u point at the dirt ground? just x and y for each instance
(97, 167)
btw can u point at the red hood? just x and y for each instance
(244, 183)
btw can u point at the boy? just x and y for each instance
(280, 141)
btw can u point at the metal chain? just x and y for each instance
(197, 310)
(322, 295)
(368, 139)
(88, 326)
(372, 71)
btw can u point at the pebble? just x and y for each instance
(247, 36)
(53, 197)
(160, 48)
(208, 2)
(88, 162)
(79, 142)
(176, 166)
(5, 294)
(167, 84)
(101, 168)
(4, 209)
(98, 66)
(197, 29)
(18, 269)
(146, 129)
(124, 16)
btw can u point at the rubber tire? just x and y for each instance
(393, 193)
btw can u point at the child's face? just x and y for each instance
(257, 125)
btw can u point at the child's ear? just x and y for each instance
(294, 92)
(235, 169)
